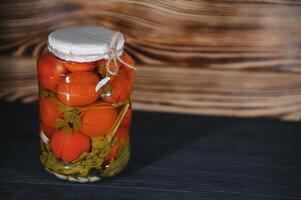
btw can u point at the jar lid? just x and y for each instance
(83, 44)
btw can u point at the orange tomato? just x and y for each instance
(77, 66)
(98, 122)
(126, 122)
(122, 86)
(69, 146)
(78, 89)
(123, 133)
(127, 59)
(50, 71)
(49, 111)
(47, 130)
(112, 153)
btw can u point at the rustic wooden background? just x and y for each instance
(233, 58)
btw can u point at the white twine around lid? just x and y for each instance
(112, 55)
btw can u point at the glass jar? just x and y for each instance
(84, 104)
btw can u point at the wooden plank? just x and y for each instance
(182, 32)
(201, 57)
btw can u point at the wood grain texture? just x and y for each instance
(202, 57)
(174, 157)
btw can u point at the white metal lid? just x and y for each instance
(83, 44)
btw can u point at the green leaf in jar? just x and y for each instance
(116, 166)
(71, 119)
(98, 143)
(46, 93)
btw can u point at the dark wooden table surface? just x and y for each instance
(173, 157)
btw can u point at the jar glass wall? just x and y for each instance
(85, 117)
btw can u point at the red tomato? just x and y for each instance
(78, 89)
(123, 133)
(127, 59)
(126, 122)
(122, 86)
(98, 122)
(47, 130)
(50, 71)
(77, 66)
(121, 83)
(49, 111)
(112, 153)
(69, 146)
